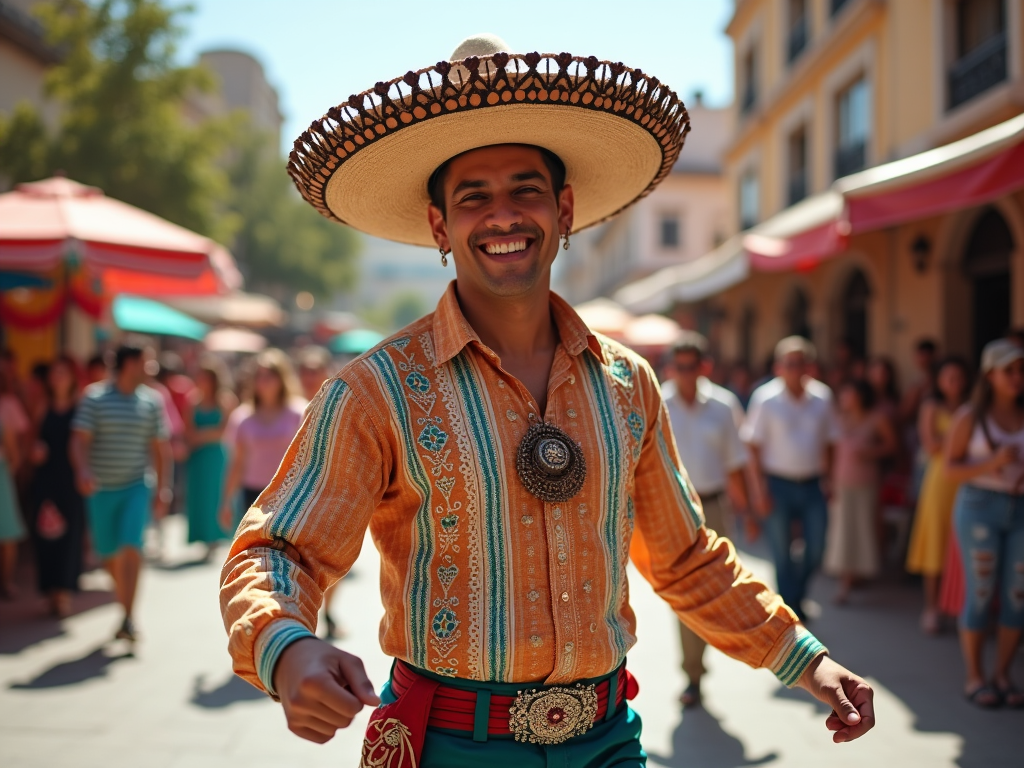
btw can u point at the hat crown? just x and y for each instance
(484, 44)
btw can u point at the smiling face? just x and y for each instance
(502, 219)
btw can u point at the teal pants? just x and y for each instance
(614, 742)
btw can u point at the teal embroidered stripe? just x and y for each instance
(685, 499)
(274, 639)
(493, 517)
(604, 401)
(316, 462)
(806, 648)
(419, 582)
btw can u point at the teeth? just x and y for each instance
(495, 248)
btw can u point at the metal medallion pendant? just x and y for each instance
(550, 463)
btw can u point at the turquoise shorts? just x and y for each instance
(118, 517)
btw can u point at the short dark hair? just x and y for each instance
(691, 342)
(927, 345)
(125, 353)
(95, 360)
(554, 164)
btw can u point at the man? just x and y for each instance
(705, 419)
(500, 453)
(790, 429)
(119, 432)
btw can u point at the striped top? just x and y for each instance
(122, 428)
(481, 580)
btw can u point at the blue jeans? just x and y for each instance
(796, 501)
(990, 531)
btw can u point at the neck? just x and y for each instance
(124, 385)
(60, 402)
(687, 391)
(515, 328)
(797, 390)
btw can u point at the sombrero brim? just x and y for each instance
(367, 163)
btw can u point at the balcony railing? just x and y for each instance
(850, 159)
(797, 188)
(837, 5)
(797, 40)
(978, 71)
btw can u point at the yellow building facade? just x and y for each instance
(828, 88)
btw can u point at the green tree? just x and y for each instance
(122, 125)
(283, 242)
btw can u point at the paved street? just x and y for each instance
(68, 697)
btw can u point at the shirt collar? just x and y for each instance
(452, 332)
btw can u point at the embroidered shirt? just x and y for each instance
(417, 440)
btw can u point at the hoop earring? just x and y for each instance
(444, 257)
(565, 243)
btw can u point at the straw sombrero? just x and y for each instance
(367, 162)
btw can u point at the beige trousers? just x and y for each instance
(719, 515)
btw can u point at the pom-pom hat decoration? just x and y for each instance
(367, 162)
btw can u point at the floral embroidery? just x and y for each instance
(417, 382)
(622, 373)
(445, 623)
(446, 671)
(432, 438)
(532, 595)
(636, 424)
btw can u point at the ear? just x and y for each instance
(438, 227)
(566, 209)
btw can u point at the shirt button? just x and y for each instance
(569, 647)
(565, 597)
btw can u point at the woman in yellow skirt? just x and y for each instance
(933, 521)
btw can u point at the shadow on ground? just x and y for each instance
(90, 666)
(700, 740)
(26, 621)
(232, 691)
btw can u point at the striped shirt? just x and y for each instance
(122, 428)
(417, 441)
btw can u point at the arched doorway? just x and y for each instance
(987, 261)
(797, 315)
(853, 313)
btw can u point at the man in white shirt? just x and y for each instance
(705, 421)
(790, 429)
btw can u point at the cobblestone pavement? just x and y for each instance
(71, 697)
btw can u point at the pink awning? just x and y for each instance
(799, 236)
(966, 173)
(45, 222)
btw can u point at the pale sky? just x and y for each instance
(318, 52)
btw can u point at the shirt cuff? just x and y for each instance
(271, 643)
(793, 653)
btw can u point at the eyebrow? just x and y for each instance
(479, 184)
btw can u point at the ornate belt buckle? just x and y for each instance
(553, 715)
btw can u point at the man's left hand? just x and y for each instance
(851, 698)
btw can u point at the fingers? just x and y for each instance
(358, 683)
(859, 695)
(312, 728)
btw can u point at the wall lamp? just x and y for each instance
(921, 250)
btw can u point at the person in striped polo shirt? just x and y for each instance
(120, 433)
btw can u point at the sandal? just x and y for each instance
(1012, 696)
(691, 696)
(985, 696)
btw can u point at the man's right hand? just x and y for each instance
(321, 688)
(86, 483)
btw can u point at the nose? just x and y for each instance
(503, 214)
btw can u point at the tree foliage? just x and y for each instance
(123, 127)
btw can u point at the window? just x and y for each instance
(750, 202)
(797, 186)
(798, 30)
(836, 6)
(670, 231)
(981, 51)
(748, 71)
(853, 123)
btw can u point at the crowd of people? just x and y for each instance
(813, 458)
(807, 457)
(94, 453)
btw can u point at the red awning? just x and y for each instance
(798, 237)
(45, 222)
(966, 173)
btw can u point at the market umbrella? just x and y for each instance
(355, 342)
(135, 313)
(56, 220)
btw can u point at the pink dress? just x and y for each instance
(851, 545)
(265, 441)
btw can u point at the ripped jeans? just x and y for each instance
(990, 531)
